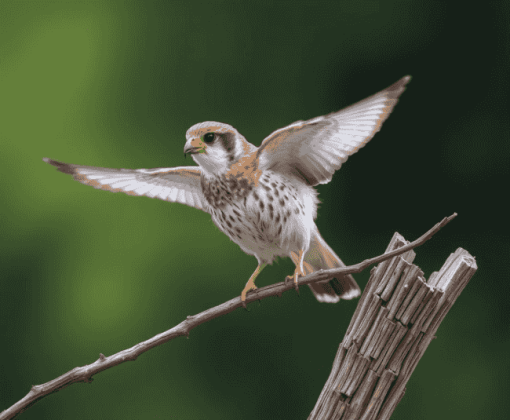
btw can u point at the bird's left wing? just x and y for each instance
(178, 185)
(315, 149)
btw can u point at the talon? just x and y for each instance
(296, 285)
(250, 285)
(297, 258)
(294, 279)
(243, 295)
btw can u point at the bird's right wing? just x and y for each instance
(178, 185)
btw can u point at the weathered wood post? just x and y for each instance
(394, 322)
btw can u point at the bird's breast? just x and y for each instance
(221, 191)
(265, 219)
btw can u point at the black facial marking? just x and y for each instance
(227, 141)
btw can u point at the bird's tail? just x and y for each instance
(321, 256)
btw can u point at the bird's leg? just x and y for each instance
(299, 271)
(250, 285)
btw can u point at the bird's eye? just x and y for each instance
(209, 137)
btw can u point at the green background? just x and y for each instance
(117, 84)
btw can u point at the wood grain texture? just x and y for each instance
(395, 321)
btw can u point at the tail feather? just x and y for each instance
(321, 256)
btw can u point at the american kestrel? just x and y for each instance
(262, 198)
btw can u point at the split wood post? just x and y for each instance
(394, 322)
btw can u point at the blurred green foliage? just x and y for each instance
(118, 83)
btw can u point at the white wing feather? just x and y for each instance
(315, 149)
(180, 185)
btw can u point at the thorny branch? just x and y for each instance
(85, 373)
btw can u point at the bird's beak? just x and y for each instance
(193, 146)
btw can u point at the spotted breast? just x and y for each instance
(267, 218)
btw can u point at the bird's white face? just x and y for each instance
(214, 146)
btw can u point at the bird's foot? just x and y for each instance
(249, 286)
(294, 278)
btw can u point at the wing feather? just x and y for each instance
(317, 148)
(181, 184)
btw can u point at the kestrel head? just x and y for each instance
(215, 146)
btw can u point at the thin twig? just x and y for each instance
(85, 373)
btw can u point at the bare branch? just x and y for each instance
(357, 268)
(85, 373)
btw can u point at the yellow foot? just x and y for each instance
(246, 289)
(294, 278)
(251, 283)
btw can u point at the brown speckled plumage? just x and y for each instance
(262, 198)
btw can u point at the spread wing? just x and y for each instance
(316, 148)
(178, 185)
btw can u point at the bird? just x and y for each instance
(263, 198)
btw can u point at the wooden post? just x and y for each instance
(394, 322)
